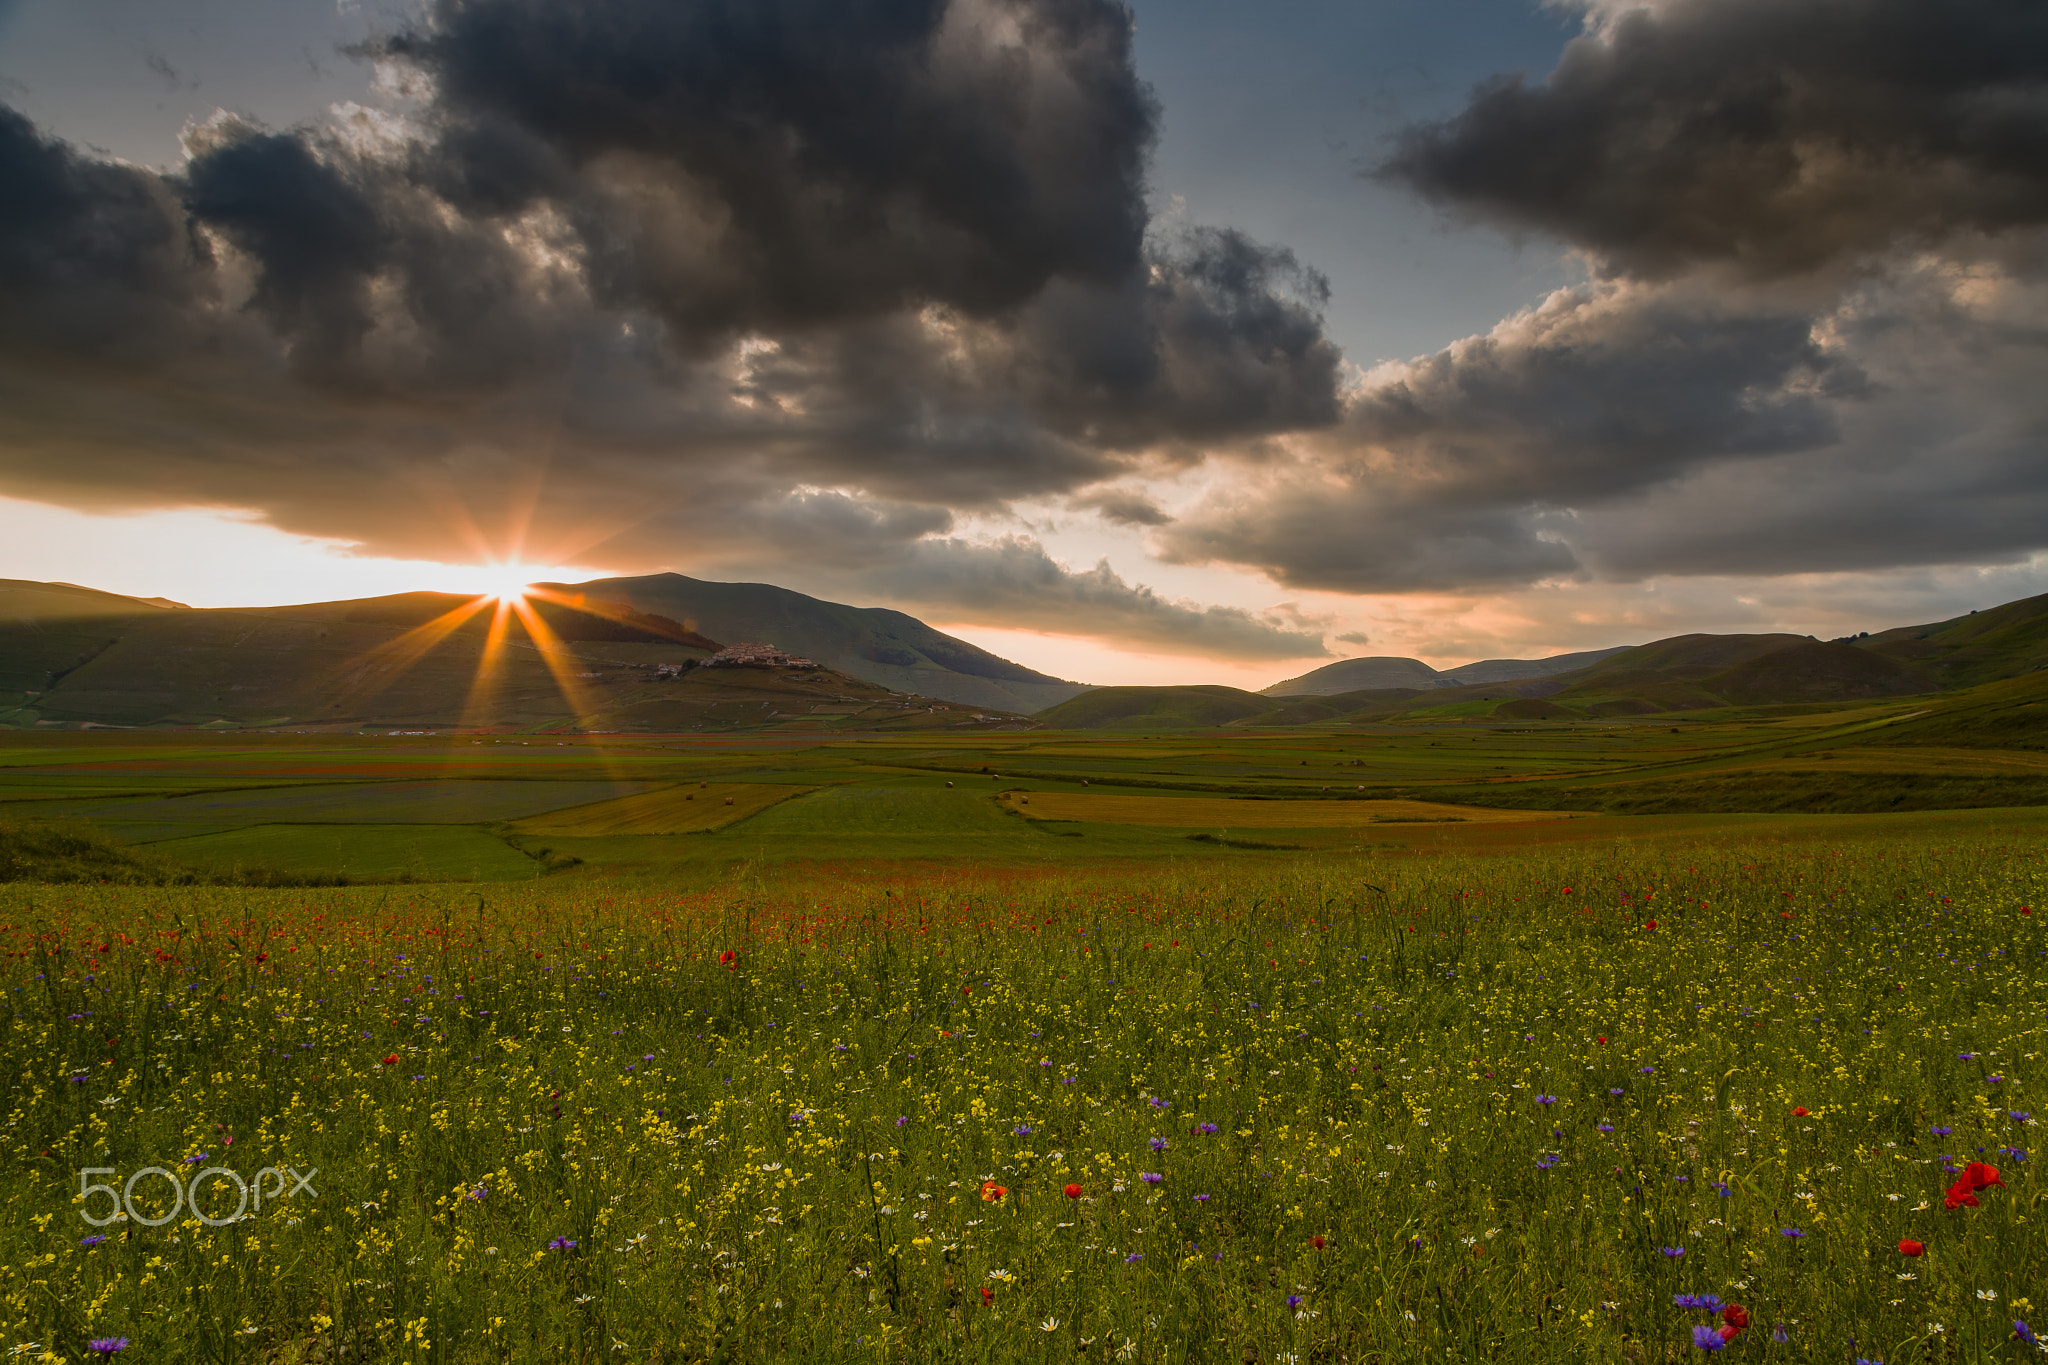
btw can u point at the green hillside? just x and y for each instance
(2000, 642)
(410, 660)
(1165, 708)
(884, 647)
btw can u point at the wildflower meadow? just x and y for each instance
(1602, 1104)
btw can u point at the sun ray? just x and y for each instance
(485, 688)
(560, 662)
(374, 671)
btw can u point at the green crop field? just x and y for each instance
(689, 809)
(426, 853)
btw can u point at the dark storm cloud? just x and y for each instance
(757, 165)
(1777, 135)
(691, 259)
(1816, 343)
(1445, 468)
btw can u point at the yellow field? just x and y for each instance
(1205, 812)
(692, 808)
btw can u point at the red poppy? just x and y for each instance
(1650, 924)
(1800, 1112)
(1601, 1040)
(1317, 1242)
(730, 960)
(1909, 1247)
(392, 1060)
(991, 1192)
(2026, 909)
(1737, 1318)
(1567, 891)
(1959, 1196)
(1072, 1192)
(1980, 1176)
(986, 1296)
(1730, 1332)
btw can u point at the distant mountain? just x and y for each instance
(1356, 675)
(23, 600)
(1384, 671)
(1684, 674)
(1154, 708)
(412, 659)
(881, 646)
(1521, 670)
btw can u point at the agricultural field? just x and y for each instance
(1629, 1100)
(635, 807)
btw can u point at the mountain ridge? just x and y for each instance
(1387, 670)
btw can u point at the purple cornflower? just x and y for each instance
(647, 1057)
(1708, 1339)
(2024, 1332)
(562, 1244)
(2020, 1115)
(195, 1160)
(1941, 1132)
(1614, 1090)
(1646, 1070)
(1966, 1056)
(1723, 1189)
(1294, 1300)
(1021, 1130)
(106, 1346)
(1157, 1144)
(1546, 1100)
(1134, 1258)
(1150, 1177)
(1710, 1302)
(1779, 1334)
(480, 1192)
(93, 1240)
(1672, 1252)
(902, 1119)
(1604, 1127)
(1201, 1199)
(1544, 1163)
(1790, 1232)
(1158, 1103)
(1210, 1127)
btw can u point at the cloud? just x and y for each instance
(1811, 343)
(677, 262)
(1354, 637)
(1772, 137)
(1012, 582)
(1452, 470)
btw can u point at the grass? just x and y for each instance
(1448, 1106)
(363, 853)
(1197, 811)
(690, 809)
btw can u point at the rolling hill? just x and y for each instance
(889, 648)
(1694, 674)
(1386, 671)
(412, 659)
(1157, 708)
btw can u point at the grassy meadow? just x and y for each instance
(1443, 1105)
(1445, 1041)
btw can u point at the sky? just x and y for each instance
(1189, 341)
